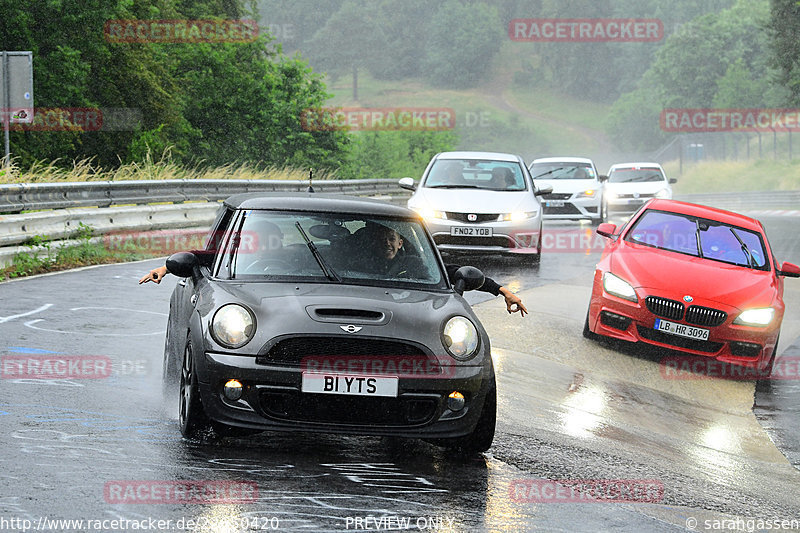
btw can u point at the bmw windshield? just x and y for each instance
(699, 237)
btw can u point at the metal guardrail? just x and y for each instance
(15, 198)
(742, 201)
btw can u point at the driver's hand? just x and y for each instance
(513, 302)
(155, 275)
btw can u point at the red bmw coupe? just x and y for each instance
(692, 278)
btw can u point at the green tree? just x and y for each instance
(784, 27)
(462, 42)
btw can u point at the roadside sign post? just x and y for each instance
(16, 92)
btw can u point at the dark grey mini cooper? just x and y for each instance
(312, 312)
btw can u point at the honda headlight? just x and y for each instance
(755, 317)
(430, 213)
(460, 338)
(618, 287)
(233, 326)
(516, 216)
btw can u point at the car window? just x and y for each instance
(359, 249)
(476, 174)
(563, 171)
(635, 175)
(684, 234)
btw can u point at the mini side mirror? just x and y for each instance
(408, 184)
(606, 229)
(789, 270)
(467, 278)
(183, 264)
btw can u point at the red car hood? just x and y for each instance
(669, 272)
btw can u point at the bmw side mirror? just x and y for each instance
(547, 189)
(673, 180)
(408, 184)
(467, 278)
(183, 265)
(789, 270)
(601, 178)
(606, 229)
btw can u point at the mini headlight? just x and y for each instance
(233, 326)
(588, 193)
(618, 287)
(755, 317)
(460, 338)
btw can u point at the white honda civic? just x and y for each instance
(479, 202)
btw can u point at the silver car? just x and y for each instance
(481, 202)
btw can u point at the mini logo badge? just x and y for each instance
(687, 299)
(350, 328)
(472, 217)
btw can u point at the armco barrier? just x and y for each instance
(15, 197)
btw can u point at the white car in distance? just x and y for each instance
(630, 185)
(577, 189)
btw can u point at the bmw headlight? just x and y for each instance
(233, 326)
(588, 193)
(755, 317)
(663, 193)
(516, 216)
(618, 287)
(460, 338)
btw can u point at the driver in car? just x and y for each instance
(386, 255)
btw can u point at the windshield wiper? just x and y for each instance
(548, 172)
(329, 272)
(751, 262)
(452, 186)
(697, 238)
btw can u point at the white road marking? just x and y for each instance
(12, 317)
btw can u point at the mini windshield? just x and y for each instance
(476, 174)
(340, 248)
(700, 237)
(635, 175)
(563, 171)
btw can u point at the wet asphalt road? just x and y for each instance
(569, 409)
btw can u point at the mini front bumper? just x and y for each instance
(728, 343)
(272, 400)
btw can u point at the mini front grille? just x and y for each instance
(324, 351)
(664, 307)
(479, 217)
(705, 316)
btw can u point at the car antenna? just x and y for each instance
(310, 176)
